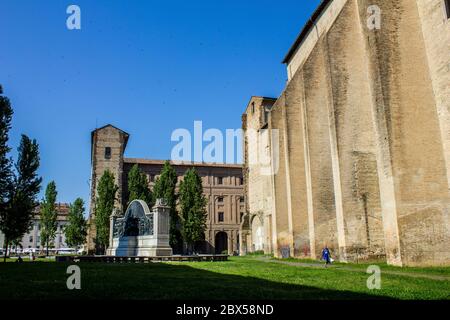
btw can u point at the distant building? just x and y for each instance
(222, 186)
(257, 225)
(32, 239)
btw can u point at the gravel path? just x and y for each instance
(340, 267)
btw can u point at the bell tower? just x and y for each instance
(108, 145)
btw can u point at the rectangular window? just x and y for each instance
(241, 199)
(108, 153)
(221, 217)
(240, 181)
(219, 180)
(447, 8)
(242, 215)
(220, 199)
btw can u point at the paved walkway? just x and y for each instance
(341, 267)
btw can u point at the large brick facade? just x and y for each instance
(222, 186)
(364, 162)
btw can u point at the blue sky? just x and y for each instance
(148, 67)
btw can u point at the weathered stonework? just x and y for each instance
(256, 229)
(102, 138)
(364, 136)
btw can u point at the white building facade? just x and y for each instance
(32, 239)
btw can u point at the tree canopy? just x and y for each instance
(49, 216)
(193, 208)
(104, 206)
(165, 188)
(76, 229)
(138, 186)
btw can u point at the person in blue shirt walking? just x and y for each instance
(326, 256)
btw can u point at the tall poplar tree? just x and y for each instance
(193, 208)
(106, 192)
(76, 229)
(23, 196)
(49, 216)
(164, 188)
(6, 174)
(19, 189)
(138, 186)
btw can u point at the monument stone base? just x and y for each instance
(141, 233)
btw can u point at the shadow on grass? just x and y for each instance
(154, 281)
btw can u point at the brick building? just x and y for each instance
(363, 154)
(222, 186)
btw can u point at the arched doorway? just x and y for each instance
(257, 234)
(221, 243)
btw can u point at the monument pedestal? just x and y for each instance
(141, 232)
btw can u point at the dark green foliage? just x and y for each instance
(138, 186)
(18, 190)
(106, 192)
(49, 216)
(164, 188)
(193, 208)
(6, 174)
(26, 185)
(76, 229)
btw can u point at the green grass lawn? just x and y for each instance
(239, 278)
(444, 271)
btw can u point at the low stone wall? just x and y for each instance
(115, 259)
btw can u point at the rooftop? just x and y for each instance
(61, 208)
(306, 29)
(253, 98)
(186, 164)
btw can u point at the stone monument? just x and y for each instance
(140, 232)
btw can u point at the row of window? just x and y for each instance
(60, 226)
(220, 199)
(30, 239)
(221, 217)
(152, 178)
(219, 181)
(239, 180)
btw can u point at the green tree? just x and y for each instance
(193, 208)
(6, 174)
(49, 216)
(138, 187)
(22, 199)
(76, 229)
(164, 188)
(106, 192)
